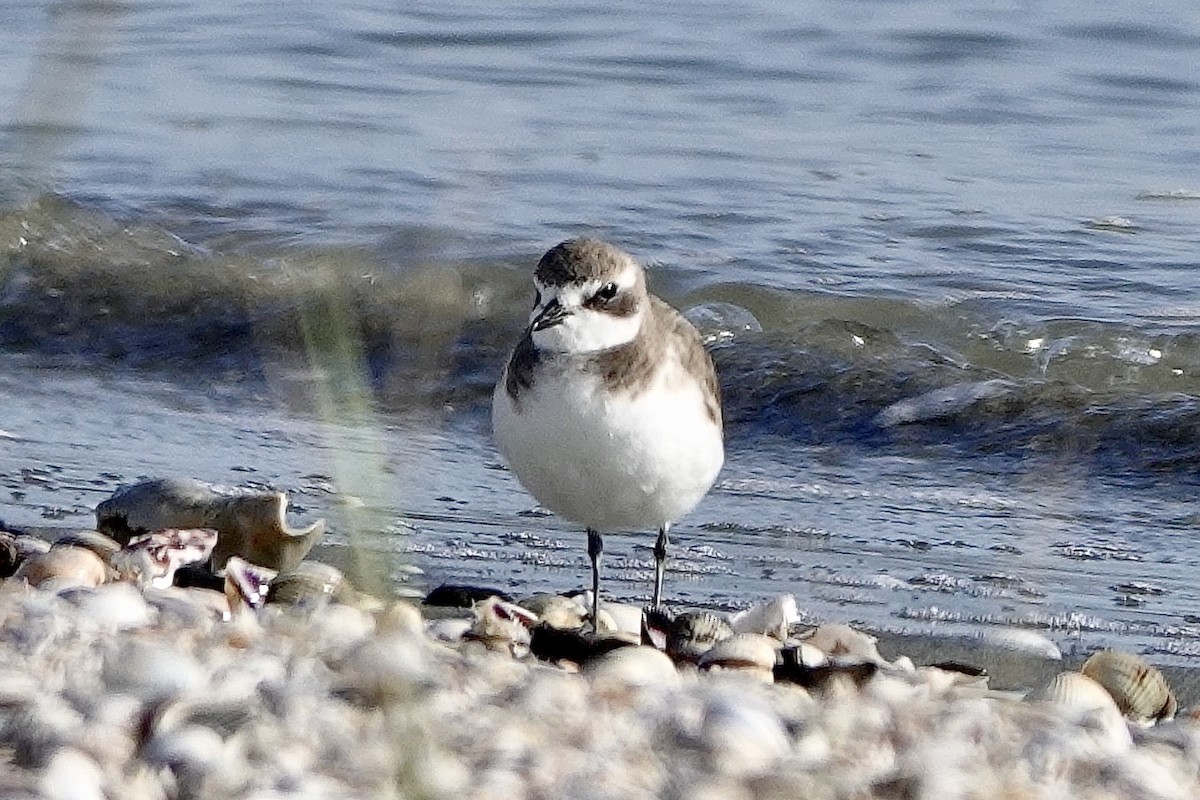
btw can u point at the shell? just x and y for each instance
(63, 566)
(1139, 689)
(750, 651)
(246, 584)
(693, 633)
(631, 667)
(310, 584)
(1087, 704)
(555, 610)
(501, 625)
(1074, 693)
(772, 618)
(249, 524)
(842, 641)
(152, 560)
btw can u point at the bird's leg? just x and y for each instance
(595, 548)
(660, 564)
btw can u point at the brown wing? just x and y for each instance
(695, 357)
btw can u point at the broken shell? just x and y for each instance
(1141, 692)
(503, 626)
(694, 633)
(249, 524)
(246, 584)
(751, 652)
(842, 641)
(310, 584)
(64, 566)
(152, 560)
(772, 618)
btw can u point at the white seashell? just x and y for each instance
(1073, 692)
(556, 610)
(1139, 689)
(771, 618)
(843, 642)
(400, 617)
(631, 667)
(64, 567)
(752, 652)
(1088, 704)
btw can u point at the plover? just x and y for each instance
(609, 411)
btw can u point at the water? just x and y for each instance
(289, 243)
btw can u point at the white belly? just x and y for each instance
(625, 462)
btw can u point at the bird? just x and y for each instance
(609, 410)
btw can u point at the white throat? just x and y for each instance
(583, 329)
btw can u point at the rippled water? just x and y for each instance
(284, 236)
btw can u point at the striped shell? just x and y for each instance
(1139, 689)
(693, 633)
(1074, 693)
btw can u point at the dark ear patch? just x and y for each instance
(623, 304)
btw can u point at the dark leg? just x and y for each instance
(660, 563)
(595, 548)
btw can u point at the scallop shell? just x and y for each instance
(693, 633)
(1086, 703)
(249, 524)
(1139, 689)
(1075, 693)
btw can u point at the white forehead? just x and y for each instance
(582, 289)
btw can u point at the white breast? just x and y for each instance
(611, 461)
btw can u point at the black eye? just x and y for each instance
(607, 292)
